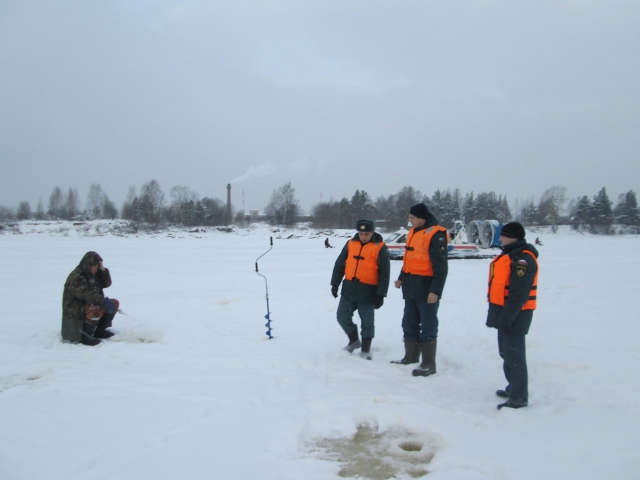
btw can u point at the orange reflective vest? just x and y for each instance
(416, 258)
(362, 262)
(499, 277)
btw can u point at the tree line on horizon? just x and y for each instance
(596, 214)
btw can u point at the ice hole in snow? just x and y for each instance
(138, 336)
(378, 455)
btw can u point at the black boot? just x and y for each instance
(511, 404)
(428, 365)
(88, 329)
(354, 342)
(411, 352)
(366, 348)
(103, 324)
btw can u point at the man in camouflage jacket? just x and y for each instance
(84, 287)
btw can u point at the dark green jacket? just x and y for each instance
(357, 291)
(418, 287)
(81, 289)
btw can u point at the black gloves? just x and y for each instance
(334, 291)
(379, 301)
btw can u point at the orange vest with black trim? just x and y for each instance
(416, 257)
(499, 277)
(362, 262)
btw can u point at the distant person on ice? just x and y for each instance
(86, 312)
(326, 243)
(422, 278)
(364, 264)
(513, 284)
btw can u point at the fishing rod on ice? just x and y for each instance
(266, 286)
(122, 313)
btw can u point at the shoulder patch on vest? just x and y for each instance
(442, 245)
(521, 268)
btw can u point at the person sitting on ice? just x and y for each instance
(538, 242)
(326, 243)
(86, 312)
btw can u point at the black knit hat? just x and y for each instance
(365, 225)
(513, 230)
(420, 210)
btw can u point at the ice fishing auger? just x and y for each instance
(267, 316)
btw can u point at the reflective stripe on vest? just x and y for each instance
(362, 262)
(416, 258)
(499, 277)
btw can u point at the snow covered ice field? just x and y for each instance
(192, 388)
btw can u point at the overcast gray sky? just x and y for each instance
(333, 96)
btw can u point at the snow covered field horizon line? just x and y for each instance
(127, 228)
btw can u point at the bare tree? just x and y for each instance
(151, 202)
(108, 208)
(95, 199)
(56, 203)
(551, 205)
(183, 205)
(72, 203)
(40, 210)
(283, 208)
(129, 207)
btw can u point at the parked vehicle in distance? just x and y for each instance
(458, 248)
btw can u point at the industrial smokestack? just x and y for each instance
(228, 203)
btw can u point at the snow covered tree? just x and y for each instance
(24, 211)
(361, 207)
(445, 206)
(486, 206)
(581, 213)
(402, 202)
(385, 208)
(601, 212)
(626, 210)
(529, 214)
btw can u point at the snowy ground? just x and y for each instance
(192, 388)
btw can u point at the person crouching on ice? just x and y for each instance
(364, 264)
(86, 312)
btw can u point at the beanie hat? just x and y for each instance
(365, 225)
(513, 230)
(420, 210)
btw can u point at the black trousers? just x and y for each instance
(513, 352)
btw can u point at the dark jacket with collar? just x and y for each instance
(511, 317)
(418, 287)
(358, 291)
